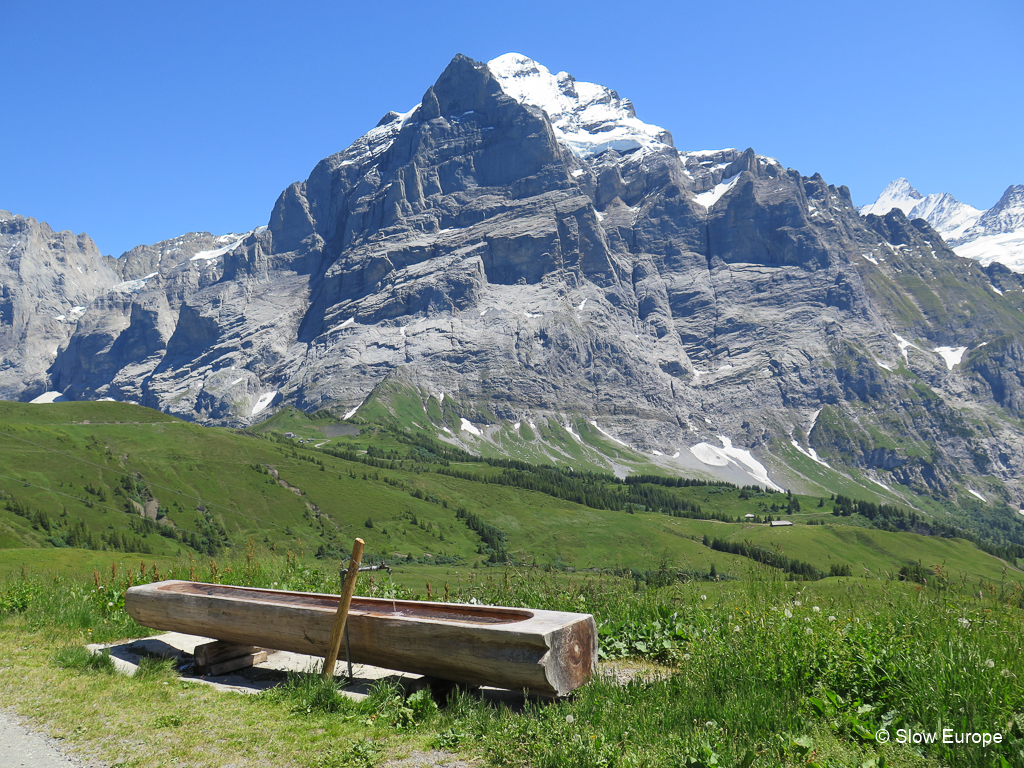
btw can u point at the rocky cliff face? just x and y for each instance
(524, 246)
(48, 281)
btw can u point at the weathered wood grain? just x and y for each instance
(547, 652)
(218, 651)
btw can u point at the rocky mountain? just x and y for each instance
(518, 260)
(48, 280)
(995, 235)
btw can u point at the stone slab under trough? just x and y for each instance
(127, 654)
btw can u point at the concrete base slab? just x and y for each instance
(126, 656)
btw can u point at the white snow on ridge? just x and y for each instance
(232, 244)
(810, 453)
(128, 286)
(568, 428)
(952, 355)
(721, 457)
(587, 117)
(904, 344)
(984, 236)
(713, 195)
(50, 397)
(977, 495)
(898, 194)
(352, 413)
(467, 426)
(613, 439)
(1006, 248)
(261, 405)
(710, 455)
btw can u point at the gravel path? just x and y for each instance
(24, 748)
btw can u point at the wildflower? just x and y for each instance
(831, 618)
(816, 609)
(703, 597)
(807, 618)
(809, 631)
(736, 628)
(789, 613)
(569, 718)
(797, 603)
(110, 605)
(964, 622)
(709, 724)
(989, 663)
(686, 657)
(1006, 673)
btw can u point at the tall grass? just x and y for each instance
(754, 673)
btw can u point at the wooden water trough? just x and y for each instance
(547, 652)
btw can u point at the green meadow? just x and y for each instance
(724, 640)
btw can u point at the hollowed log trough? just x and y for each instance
(548, 652)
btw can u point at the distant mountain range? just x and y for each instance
(520, 265)
(985, 236)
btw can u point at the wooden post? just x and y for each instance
(339, 619)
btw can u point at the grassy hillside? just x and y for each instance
(87, 474)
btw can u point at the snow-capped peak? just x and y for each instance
(945, 213)
(1007, 215)
(587, 117)
(898, 194)
(985, 236)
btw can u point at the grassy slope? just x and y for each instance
(216, 465)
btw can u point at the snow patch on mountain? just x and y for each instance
(810, 453)
(50, 397)
(232, 242)
(952, 355)
(1007, 249)
(265, 400)
(728, 454)
(610, 437)
(589, 118)
(713, 195)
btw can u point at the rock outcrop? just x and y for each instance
(522, 242)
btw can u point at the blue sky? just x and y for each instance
(136, 122)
